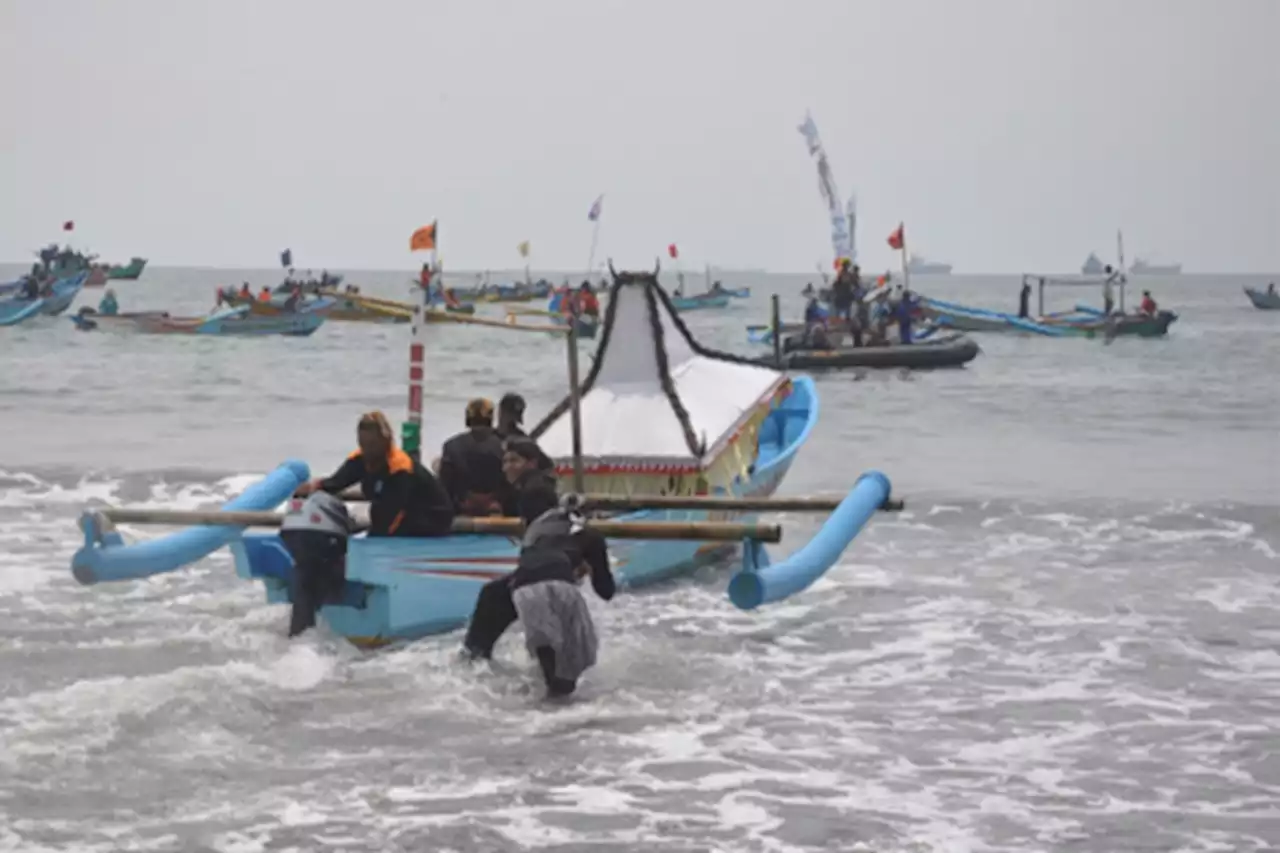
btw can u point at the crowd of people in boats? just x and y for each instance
(488, 469)
(856, 308)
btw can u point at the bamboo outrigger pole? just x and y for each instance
(703, 531)
(711, 503)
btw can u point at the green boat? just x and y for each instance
(130, 272)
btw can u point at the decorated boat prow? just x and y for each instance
(685, 445)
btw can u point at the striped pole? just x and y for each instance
(411, 430)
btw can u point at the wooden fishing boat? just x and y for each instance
(231, 321)
(55, 300)
(129, 272)
(661, 418)
(953, 350)
(1082, 321)
(1266, 300)
(699, 302)
(343, 307)
(15, 311)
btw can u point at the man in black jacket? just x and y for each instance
(556, 549)
(404, 498)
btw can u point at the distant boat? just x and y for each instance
(130, 272)
(923, 266)
(1093, 265)
(1141, 266)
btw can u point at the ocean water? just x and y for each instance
(1068, 641)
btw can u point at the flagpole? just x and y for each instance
(906, 272)
(595, 237)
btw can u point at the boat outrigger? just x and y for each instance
(673, 448)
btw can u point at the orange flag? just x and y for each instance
(424, 239)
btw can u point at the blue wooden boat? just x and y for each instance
(64, 293)
(697, 303)
(229, 321)
(15, 311)
(57, 299)
(660, 414)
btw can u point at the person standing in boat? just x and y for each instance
(471, 464)
(404, 498)
(861, 319)
(842, 291)
(1024, 300)
(1108, 295)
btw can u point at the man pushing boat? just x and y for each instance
(556, 554)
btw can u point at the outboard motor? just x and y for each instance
(315, 532)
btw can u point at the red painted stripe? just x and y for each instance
(415, 399)
(415, 373)
(415, 353)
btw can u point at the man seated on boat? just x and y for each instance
(1148, 306)
(264, 295)
(471, 464)
(31, 287)
(108, 306)
(404, 498)
(556, 553)
(588, 304)
(510, 426)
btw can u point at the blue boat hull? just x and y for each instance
(15, 311)
(239, 322)
(403, 589)
(694, 303)
(63, 292)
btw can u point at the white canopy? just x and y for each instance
(645, 359)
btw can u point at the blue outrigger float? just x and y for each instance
(695, 439)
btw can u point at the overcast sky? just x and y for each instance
(1009, 136)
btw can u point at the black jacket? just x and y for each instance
(404, 498)
(471, 467)
(532, 495)
(553, 552)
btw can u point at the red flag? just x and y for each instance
(897, 237)
(673, 251)
(68, 225)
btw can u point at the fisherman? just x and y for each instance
(510, 425)
(424, 277)
(1271, 289)
(471, 464)
(904, 311)
(1148, 306)
(588, 304)
(860, 318)
(246, 293)
(842, 290)
(315, 533)
(1108, 295)
(108, 306)
(31, 287)
(404, 498)
(809, 291)
(556, 553)
(1024, 300)
(264, 295)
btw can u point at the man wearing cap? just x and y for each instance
(404, 498)
(510, 421)
(471, 464)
